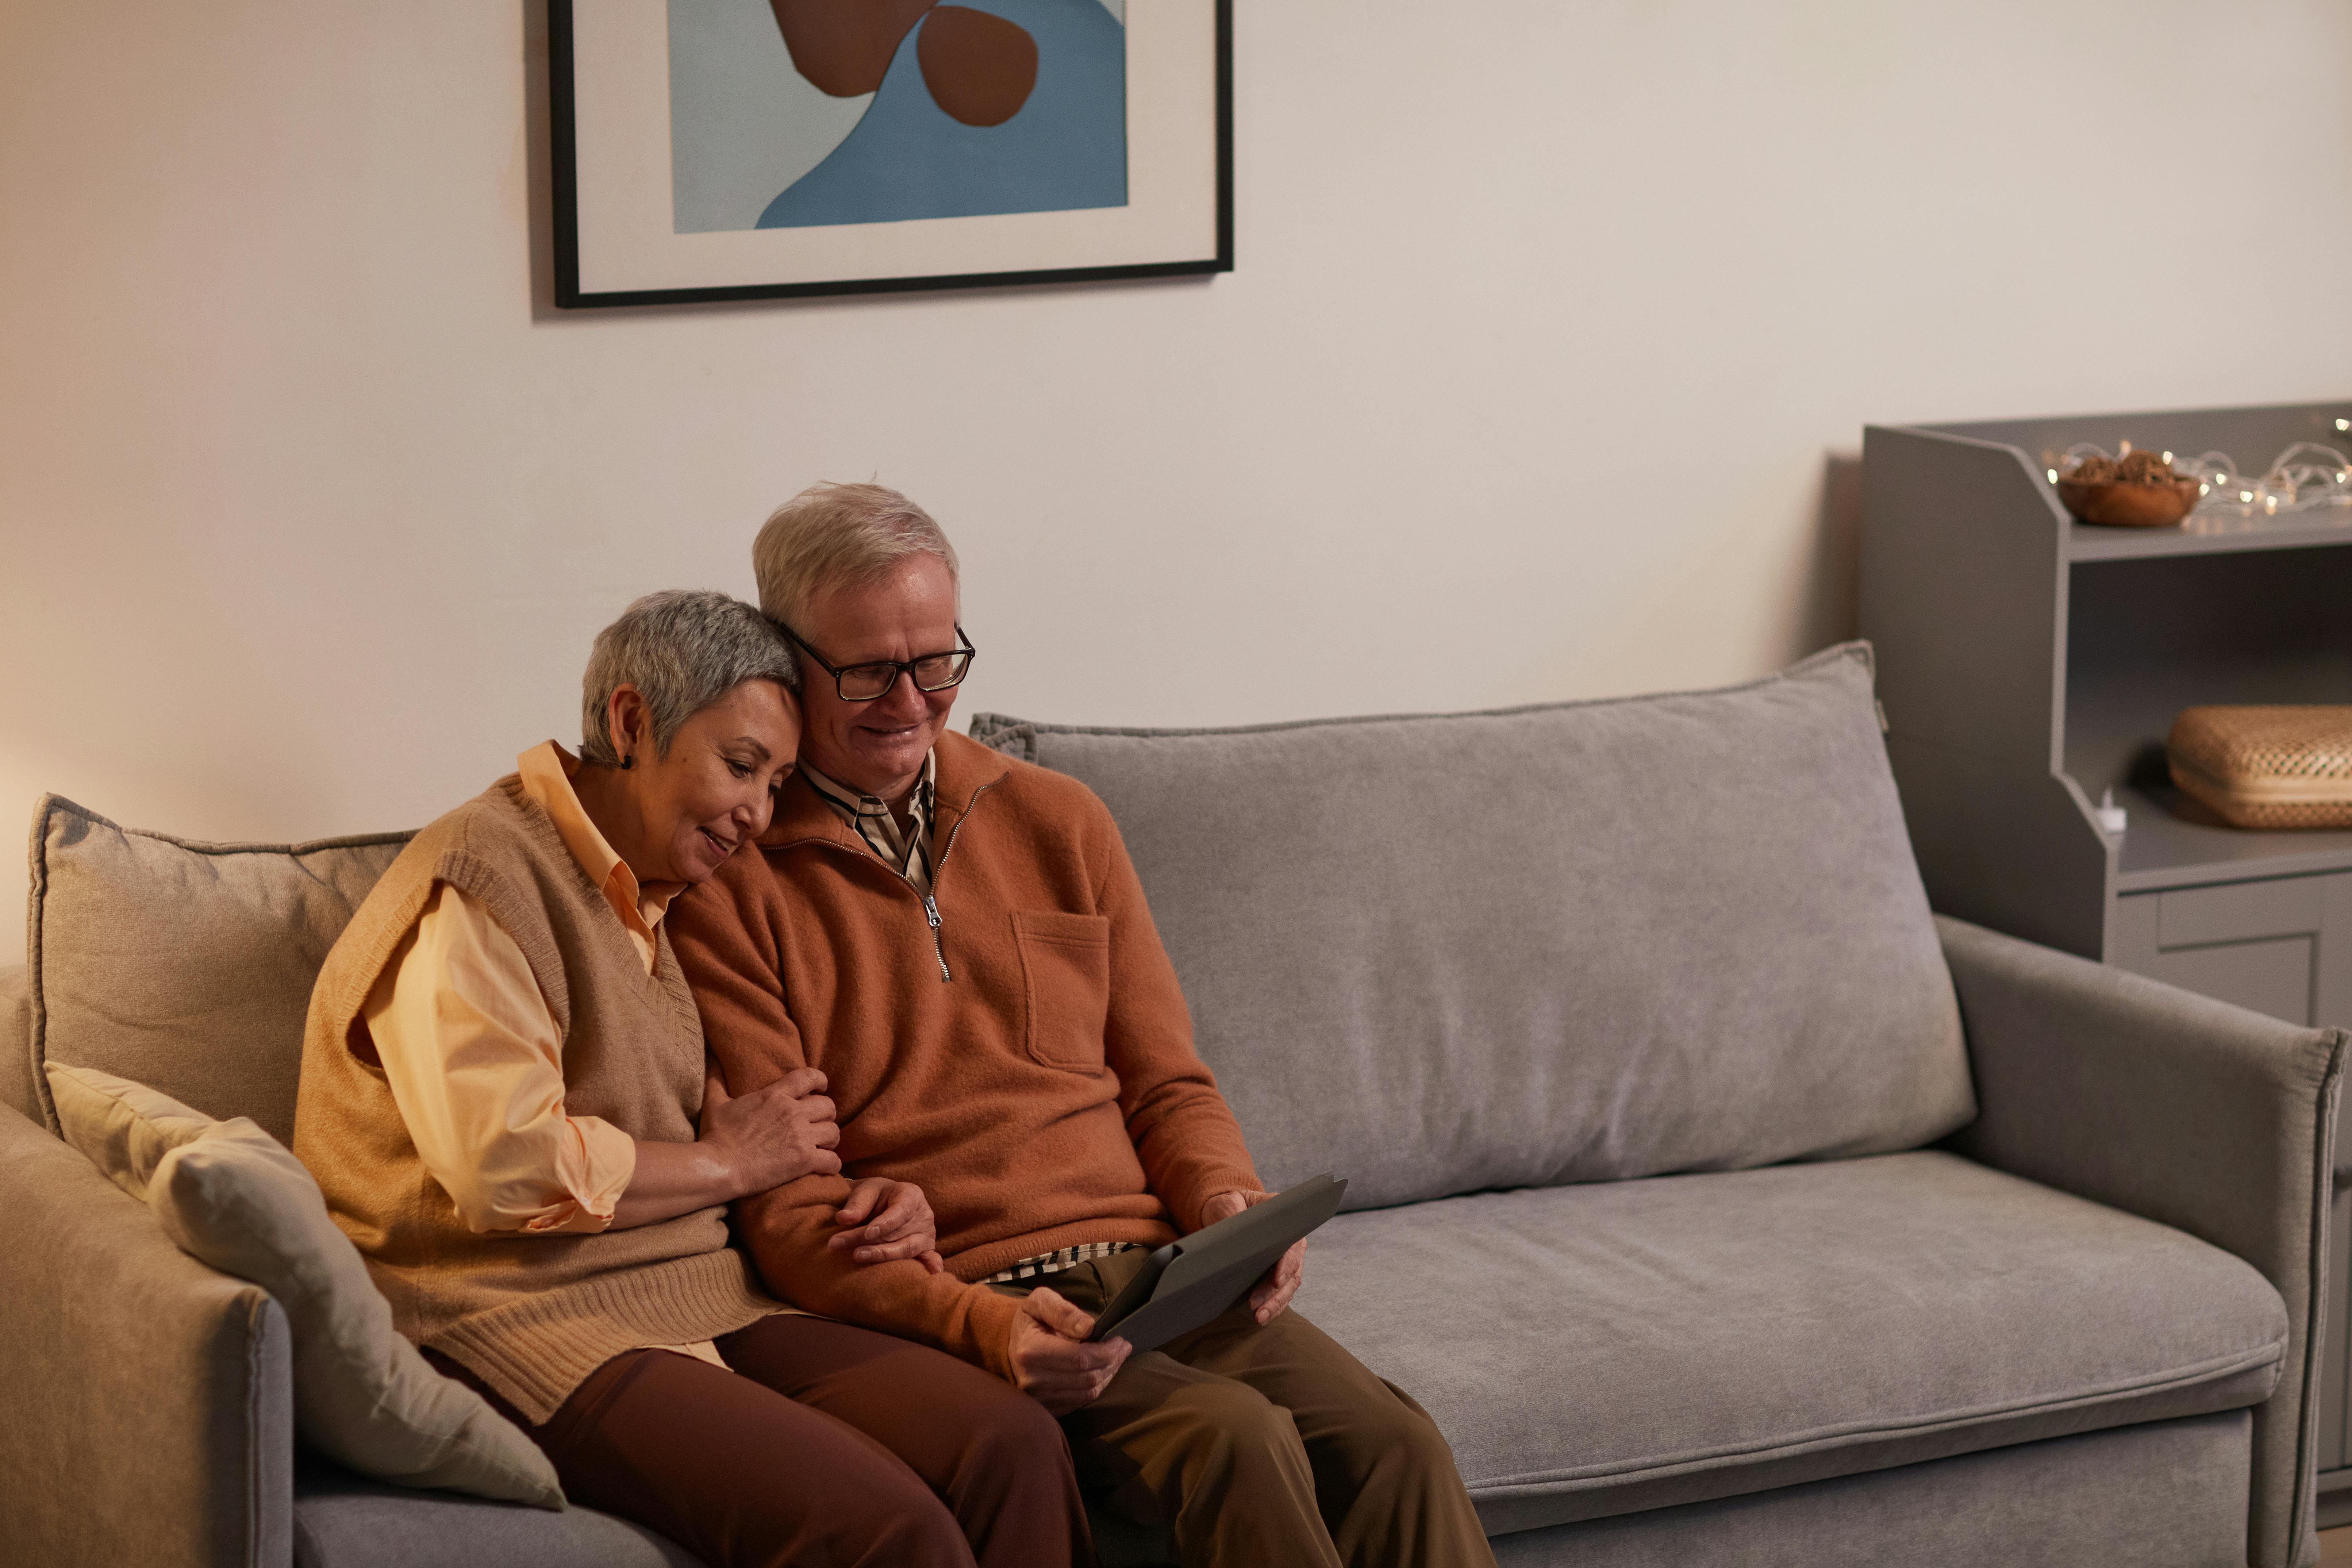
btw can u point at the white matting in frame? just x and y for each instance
(624, 237)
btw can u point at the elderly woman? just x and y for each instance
(504, 1097)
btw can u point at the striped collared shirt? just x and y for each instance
(905, 851)
(1047, 1263)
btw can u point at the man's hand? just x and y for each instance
(891, 1220)
(1052, 1362)
(1274, 1291)
(772, 1135)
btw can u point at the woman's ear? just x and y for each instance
(628, 722)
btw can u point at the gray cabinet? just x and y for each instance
(2029, 665)
(2280, 945)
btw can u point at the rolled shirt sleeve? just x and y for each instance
(475, 1066)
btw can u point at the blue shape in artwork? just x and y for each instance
(1067, 147)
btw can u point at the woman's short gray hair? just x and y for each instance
(683, 649)
(840, 535)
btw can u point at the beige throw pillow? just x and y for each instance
(124, 1127)
(236, 1198)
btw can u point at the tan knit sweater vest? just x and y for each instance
(532, 1315)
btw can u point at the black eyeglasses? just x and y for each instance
(866, 682)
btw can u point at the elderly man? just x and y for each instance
(958, 942)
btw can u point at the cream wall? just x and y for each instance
(1546, 318)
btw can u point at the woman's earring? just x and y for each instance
(628, 763)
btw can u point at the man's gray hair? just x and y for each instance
(840, 536)
(683, 649)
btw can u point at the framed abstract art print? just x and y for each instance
(765, 149)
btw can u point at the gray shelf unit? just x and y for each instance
(2029, 663)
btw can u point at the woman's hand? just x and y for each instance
(747, 1146)
(1278, 1284)
(773, 1135)
(891, 1220)
(1052, 1362)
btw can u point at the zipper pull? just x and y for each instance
(938, 948)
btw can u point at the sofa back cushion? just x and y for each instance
(184, 966)
(1573, 943)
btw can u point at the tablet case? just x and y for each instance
(1186, 1283)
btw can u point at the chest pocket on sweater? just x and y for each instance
(1066, 985)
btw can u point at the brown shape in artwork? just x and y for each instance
(981, 68)
(845, 46)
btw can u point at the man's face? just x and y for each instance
(877, 747)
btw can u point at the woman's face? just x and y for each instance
(715, 789)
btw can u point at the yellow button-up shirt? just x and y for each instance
(473, 1055)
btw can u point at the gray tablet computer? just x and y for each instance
(1187, 1282)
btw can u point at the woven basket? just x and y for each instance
(2266, 767)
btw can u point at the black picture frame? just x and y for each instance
(565, 170)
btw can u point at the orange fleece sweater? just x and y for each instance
(1028, 1060)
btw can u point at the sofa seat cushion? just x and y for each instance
(1596, 1350)
(346, 1521)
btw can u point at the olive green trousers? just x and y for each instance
(1253, 1447)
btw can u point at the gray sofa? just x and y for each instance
(1721, 1204)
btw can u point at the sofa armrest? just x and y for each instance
(2204, 1116)
(16, 1068)
(146, 1401)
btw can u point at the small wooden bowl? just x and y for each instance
(2118, 503)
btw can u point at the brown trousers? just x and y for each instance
(826, 1445)
(1260, 1445)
